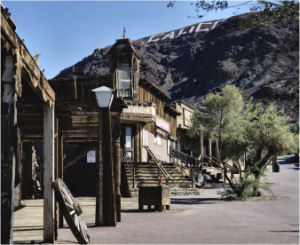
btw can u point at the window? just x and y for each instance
(125, 80)
(157, 139)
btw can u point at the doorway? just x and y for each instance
(127, 143)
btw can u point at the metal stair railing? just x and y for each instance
(189, 162)
(132, 168)
(183, 157)
(220, 164)
(159, 165)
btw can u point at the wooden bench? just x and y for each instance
(157, 196)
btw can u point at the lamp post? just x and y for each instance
(105, 197)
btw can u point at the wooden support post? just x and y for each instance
(137, 142)
(99, 174)
(56, 176)
(8, 149)
(201, 143)
(18, 187)
(61, 155)
(57, 160)
(60, 169)
(48, 174)
(209, 148)
(201, 151)
(116, 134)
(218, 153)
(109, 203)
(105, 199)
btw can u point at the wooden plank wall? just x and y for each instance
(64, 89)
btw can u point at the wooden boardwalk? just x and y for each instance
(28, 220)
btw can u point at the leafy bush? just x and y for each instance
(245, 188)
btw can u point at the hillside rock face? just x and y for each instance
(262, 60)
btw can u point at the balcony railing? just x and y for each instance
(124, 93)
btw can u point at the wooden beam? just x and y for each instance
(105, 199)
(80, 140)
(8, 149)
(18, 191)
(116, 134)
(56, 176)
(109, 202)
(60, 170)
(80, 136)
(99, 175)
(48, 174)
(209, 148)
(137, 143)
(201, 143)
(78, 156)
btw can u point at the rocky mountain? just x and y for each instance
(262, 60)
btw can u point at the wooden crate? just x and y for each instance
(157, 196)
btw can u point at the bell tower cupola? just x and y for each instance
(124, 62)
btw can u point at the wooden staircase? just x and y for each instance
(160, 167)
(146, 174)
(214, 167)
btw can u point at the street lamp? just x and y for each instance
(105, 196)
(104, 96)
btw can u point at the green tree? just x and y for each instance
(219, 110)
(260, 132)
(265, 134)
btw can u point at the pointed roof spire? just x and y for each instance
(124, 31)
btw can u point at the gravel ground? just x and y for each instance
(205, 219)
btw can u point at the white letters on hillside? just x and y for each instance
(152, 40)
(181, 32)
(201, 27)
(169, 35)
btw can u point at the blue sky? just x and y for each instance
(66, 32)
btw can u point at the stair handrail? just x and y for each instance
(183, 157)
(158, 164)
(132, 167)
(218, 162)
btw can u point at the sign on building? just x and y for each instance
(91, 157)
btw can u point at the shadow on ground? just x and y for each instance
(138, 211)
(286, 231)
(192, 201)
(287, 160)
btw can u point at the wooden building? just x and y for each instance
(27, 118)
(146, 121)
(53, 125)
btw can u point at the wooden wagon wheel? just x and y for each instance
(71, 211)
